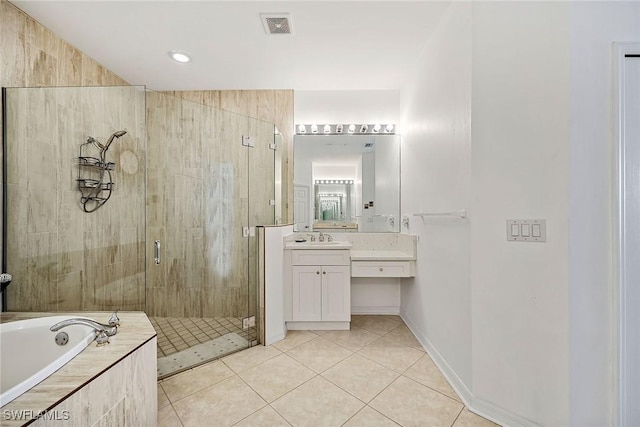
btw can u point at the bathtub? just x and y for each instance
(29, 353)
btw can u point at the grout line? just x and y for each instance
(198, 391)
(353, 395)
(457, 416)
(176, 412)
(254, 412)
(433, 389)
(282, 416)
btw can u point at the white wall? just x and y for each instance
(519, 166)
(436, 121)
(335, 106)
(541, 336)
(592, 28)
(373, 295)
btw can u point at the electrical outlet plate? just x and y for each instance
(527, 230)
(252, 321)
(245, 323)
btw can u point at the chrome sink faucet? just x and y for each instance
(103, 332)
(321, 237)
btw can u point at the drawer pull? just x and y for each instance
(324, 272)
(381, 269)
(317, 272)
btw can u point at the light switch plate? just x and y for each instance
(527, 230)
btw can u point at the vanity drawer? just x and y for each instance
(381, 269)
(320, 257)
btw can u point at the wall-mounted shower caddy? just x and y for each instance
(95, 181)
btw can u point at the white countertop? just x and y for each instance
(317, 245)
(381, 255)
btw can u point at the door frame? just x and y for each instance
(622, 311)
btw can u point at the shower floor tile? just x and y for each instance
(177, 334)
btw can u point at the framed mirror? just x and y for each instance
(347, 183)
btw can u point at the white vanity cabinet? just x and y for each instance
(320, 289)
(321, 293)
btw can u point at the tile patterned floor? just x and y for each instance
(178, 333)
(376, 374)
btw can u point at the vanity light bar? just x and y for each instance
(339, 129)
(334, 181)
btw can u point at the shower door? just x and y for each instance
(174, 235)
(210, 181)
(61, 257)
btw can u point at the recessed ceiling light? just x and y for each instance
(178, 56)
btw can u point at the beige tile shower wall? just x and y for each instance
(198, 202)
(271, 106)
(32, 56)
(61, 257)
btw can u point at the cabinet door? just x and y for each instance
(307, 290)
(336, 293)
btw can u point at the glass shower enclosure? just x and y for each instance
(178, 188)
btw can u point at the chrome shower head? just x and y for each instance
(117, 134)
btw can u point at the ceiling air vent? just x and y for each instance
(277, 23)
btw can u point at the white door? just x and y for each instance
(336, 293)
(301, 207)
(628, 129)
(306, 291)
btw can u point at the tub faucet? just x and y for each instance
(103, 332)
(114, 320)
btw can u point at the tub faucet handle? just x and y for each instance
(101, 338)
(114, 320)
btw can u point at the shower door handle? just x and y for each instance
(156, 252)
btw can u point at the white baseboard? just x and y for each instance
(318, 326)
(391, 309)
(475, 404)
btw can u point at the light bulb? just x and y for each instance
(302, 129)
(352, 128)
(327, 129)
(314, 128)
(389, 128)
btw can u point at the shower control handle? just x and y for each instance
(156, 253)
